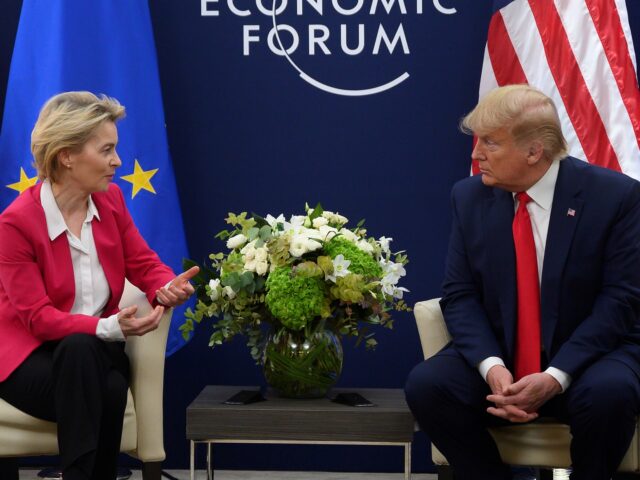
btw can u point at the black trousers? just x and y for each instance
(447, 397)
(81, 384)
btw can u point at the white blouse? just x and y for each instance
(91, 286)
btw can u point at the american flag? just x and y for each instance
(580, 53)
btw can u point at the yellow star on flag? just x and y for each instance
(24, 183)
(140, 179)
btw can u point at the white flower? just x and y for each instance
(214, 285)
(250, 255)
(327, 233)
(250, 266)
(236, 241)
(365, 246)
(262, 267)
(392, 270)
(340, 219)
(319, 222)
(384, 244)
(261, 254)
(298, 245)
(297, 220)
(248, 247)
(398, 291)
(312, 244)
(349, 235)
(228, 291)
(273, 221)
(340, 268)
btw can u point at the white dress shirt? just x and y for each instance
(540, 212)
(91, 288)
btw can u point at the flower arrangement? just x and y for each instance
(306, 273)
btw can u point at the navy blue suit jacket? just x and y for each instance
(590, 289)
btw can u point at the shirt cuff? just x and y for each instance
(166, 286)
(485, 365)
(108, 329)
(563, 378)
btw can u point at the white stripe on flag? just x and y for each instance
(524, 35)
(592, 60)
(487, 79)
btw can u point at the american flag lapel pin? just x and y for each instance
(571, 212)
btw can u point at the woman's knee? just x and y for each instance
(78, 343)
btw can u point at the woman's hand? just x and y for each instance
(179, 290)
(132, 325)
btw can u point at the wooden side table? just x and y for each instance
(288, 421)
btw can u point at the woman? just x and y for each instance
(66, 246)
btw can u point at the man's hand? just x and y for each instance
(499, 378)
(179, 290)
(527, 395)
(500, 381)
(138, 326)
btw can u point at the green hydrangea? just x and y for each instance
(361, 262)
(294, 299)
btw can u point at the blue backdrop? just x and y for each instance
(246, 132)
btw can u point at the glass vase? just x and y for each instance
(299, 364)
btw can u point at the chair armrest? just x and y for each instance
(146, 357)
(431, 327)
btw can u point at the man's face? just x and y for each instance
(502, 163)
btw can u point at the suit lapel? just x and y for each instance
(497, 220)
(565, 215)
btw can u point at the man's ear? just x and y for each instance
(535, 152)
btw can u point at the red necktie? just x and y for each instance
(527, 358)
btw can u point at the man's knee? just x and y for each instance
(606, 397)
(426, 384)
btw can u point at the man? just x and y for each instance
(541, 297)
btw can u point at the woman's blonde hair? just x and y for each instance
(527, 113)
(67, 121)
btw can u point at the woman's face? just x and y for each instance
(92, 168)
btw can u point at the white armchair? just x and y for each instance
(22, 435)
(543, 444)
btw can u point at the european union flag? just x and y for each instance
(104, 46)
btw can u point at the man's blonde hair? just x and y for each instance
(67, 121)
(527, 113)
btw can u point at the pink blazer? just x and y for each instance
(37, 287)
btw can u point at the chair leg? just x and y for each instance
(445, 472)
(546, 474)
(9, 468)
(151, 470)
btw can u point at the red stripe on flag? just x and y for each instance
(582, 111)
(606, 19)
(504, 61)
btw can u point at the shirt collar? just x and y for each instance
(542, 191)
(55, 221)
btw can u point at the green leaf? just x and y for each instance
(317, 212)
(253, 233)
(265, 233)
